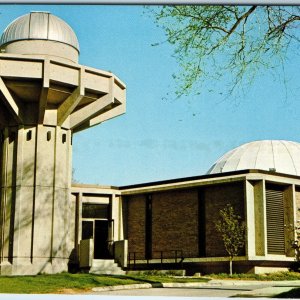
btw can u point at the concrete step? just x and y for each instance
(106, 266)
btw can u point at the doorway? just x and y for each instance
(99, 231)
(101, 240)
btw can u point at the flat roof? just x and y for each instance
(207, 176)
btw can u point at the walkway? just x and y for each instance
(213, 288)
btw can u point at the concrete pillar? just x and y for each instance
(121, 219)
(289, 219)
(35, 191)
(250, 216)
(115, 217)
(260, 218)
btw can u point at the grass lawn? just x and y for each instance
(76, 283)
(58, 282)
(81, 283)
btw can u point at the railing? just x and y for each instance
(167, 255)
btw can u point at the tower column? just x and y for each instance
(45, 97)
(35, 189)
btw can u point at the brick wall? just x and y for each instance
(216, 198)
(136, 224)
(175, 222)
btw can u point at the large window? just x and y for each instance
(95, 211)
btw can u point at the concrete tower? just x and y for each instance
(45, 97)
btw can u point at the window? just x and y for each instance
(95, 211)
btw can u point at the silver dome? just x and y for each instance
(39, 26)
(274, 155)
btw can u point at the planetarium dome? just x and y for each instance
(40, 33)
(270, 155)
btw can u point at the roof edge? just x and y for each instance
(207, 176)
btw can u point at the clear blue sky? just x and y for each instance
(161, 139)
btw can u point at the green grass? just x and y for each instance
(263, 277)
(167, 278)
(55, 283)
(80, 283)
(60, 283)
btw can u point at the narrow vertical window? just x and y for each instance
(29, 135)
(64, 138)
(148, 223)
(48, 136)
(201, 223)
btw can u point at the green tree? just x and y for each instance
(228, 43)
(232, 229)
(295, 243)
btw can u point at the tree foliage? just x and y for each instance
(228, 43)
(232, 229)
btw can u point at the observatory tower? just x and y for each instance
(45, 97)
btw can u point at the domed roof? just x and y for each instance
(39, 26)
(270, 155)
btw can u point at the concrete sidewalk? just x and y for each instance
(251, 288)
(259, 289)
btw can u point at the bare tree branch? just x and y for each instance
(231, 43)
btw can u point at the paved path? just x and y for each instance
(174, 292)
(214, 288)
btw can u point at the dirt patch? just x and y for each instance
(72, 291)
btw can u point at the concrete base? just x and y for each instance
(204, 266)
(39, 266)
(250, 267)
(265, 270)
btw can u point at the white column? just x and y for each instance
(250, 220)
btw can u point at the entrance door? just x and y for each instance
(99, 231)
(101, 239)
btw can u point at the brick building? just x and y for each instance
(171, 224)
(46, 223)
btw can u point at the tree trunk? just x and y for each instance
(230, 266)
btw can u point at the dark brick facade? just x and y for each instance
(136, 224)
(216, 198)
(175, 222)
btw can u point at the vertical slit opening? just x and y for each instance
(48, 136)
(29, 135)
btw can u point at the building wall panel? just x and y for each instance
(216, 198)
(136, 224)
(175, 222)
(297, 196)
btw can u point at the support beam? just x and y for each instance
(117, 111)
(15, 108)
(94, 109)
(68, 106)
(44, 92)
(84, 114)
(42, 104)
(112, 113)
